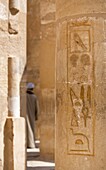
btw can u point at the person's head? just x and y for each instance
(30, 86)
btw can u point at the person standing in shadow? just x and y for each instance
(32, 114)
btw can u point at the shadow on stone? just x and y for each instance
(36, 162)
(8, 145)
(40, 168)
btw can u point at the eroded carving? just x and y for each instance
(79, 66)
(80, 41)
(13, 18)
(74, 60)
(85, 60)
(80, 91)
(14, 6)
(80, 110)
(11, 30)
(79, 142)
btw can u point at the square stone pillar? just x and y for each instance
(81, 85)
(47, 78)
(14, 144)
(47, 128)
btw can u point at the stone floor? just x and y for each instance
(36, 162)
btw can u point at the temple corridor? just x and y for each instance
(36, 162)
(59, 46)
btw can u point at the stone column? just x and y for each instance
(14, 128)
(80, 84)
(3, 74)
(15, 144)
(13, 87)
(40, 69)
(47, 78)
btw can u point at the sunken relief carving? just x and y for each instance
(14, 6)
(80, 89)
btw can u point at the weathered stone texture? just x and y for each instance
(14, 152)
(47, 77)
(12, 45)
(80, 97)
(78, 7)
(3, 71)
(47, 119)
(33, 41)
(41, 66)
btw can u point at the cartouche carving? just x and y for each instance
(80, 90)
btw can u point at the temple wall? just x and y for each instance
(12, 47)
(80, 85)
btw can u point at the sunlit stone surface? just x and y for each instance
(80, 84)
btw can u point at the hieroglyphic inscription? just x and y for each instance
(80, 41)
(80, 90)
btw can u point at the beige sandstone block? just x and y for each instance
(80, 7)
(10, 46)
(47, 140)
(14, 144)
(80, 97)
(47, 64)
(46, 123)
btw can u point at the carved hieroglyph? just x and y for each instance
(80, 89)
